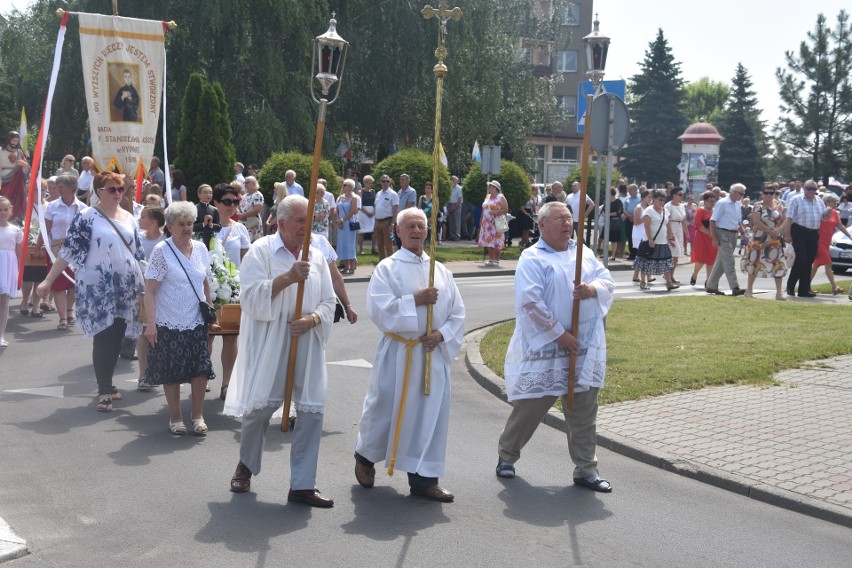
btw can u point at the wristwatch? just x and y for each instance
(316, 318)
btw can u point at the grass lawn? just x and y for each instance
(444, 253)
(658, 346)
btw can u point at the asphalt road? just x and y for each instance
(87, 489)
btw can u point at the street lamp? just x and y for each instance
(596, 45)
(327, 60)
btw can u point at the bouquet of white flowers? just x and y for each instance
(225, 283)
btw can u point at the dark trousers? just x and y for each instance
(805, 243)
(628, 229)
(414, 480)
(105, 350)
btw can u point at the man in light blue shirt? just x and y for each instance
(454, 207)
(293, 188)
(407, 194)
(630, 204)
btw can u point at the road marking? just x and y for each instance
(359, 363)
(54, 392)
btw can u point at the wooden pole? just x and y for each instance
(578, 270)
(306, 244)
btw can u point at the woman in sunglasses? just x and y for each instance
(104, 248)
(235, 240)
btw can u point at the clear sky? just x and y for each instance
(708, 39)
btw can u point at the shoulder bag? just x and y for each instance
(121, 237)
(645, 250)
(208, 313)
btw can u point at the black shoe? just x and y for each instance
(714, 291)
(692, 281)
(599, 485)
(807, 295)
(737, 292)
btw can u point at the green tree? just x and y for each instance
(656, 116)
(816, 95)
(705, 100)
(276, 166)
(205, 152)
(592, 184)
(514, 184)
(739, 156)
(419, 165)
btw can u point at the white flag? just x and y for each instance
(477, 157)
(123, 67)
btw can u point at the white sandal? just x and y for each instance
(177, 428)
(199, 427)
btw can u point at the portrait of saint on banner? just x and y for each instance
(123, 78)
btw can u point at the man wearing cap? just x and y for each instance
(726, 222)
(387, 206)
(802, 230)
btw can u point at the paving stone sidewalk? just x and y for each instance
(789, 445)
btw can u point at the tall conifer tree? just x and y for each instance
(739, 157)
(656, 117)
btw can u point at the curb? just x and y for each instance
(11, 545)
(668, 462)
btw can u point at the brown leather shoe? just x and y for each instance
(310, 497)
(434, 493)
(241, 482)
(366, 475)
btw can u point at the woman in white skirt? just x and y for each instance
(367, 214)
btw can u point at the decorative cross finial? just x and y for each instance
(334, 15)
(444, 14)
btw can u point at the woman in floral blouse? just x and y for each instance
(104, 249)
(250, 207)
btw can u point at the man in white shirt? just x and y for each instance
(573, 202)
(801, 229)
(293, 188)
(454, 207)
(84, 182)
(239, 177)
(725, 223)
(387, 206)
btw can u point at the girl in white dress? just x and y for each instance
(11, 239)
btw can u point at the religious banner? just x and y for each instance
(123, 72)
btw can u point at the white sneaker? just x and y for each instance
(3, 342)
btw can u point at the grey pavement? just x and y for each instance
(789, 444)
(775, 420)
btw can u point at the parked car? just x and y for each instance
(840, 252)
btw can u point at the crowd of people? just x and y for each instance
(120, 270)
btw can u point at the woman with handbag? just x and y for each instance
(104, 248)
(250, 207)
(703, 251)
(493, 223)
(654, 255)
(178, 271)
(348, 205)
(639, 228)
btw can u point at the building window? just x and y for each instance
(566, 61)
(564, 153)
(570, 15)
(566, 104)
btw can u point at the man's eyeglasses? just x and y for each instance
(770, 192)
(115, 189)
(810, 189)
(229, 202)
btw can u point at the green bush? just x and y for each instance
(418, 165)
(514, 183)
(276, 166)
(591, 186)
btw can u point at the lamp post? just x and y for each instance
(596, 48)
(328, 59)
